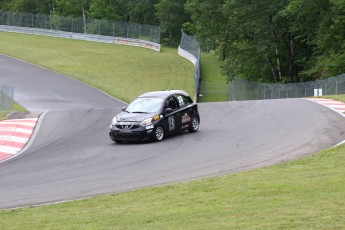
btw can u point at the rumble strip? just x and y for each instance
(14, 135)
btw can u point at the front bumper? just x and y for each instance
(136, 134)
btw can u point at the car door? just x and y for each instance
(185, 111)
(174, 117)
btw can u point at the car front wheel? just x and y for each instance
(194, 125)
(158, 134)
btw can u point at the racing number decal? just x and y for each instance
(171, 123)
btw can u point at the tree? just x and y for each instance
(248, 36)
(143, 11)
(305, 18)
(117, 10)
(72, 8)
(331, 41)
(273, 40)
(171, 15)
(208, 22)
(27, 6)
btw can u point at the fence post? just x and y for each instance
(113, 29)
(6, 97)
(127, 30)
(324, 91)
(305, 90)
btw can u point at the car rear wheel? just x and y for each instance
(158, 134)
(194, 125)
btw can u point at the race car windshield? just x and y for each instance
(145, 105)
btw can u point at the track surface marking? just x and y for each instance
(14, 134)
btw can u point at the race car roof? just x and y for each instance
(163, 94)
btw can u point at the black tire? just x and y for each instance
(158, 134)
(194, 125)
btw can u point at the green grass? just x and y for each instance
(121, 71)
(3, 115)
(16, 108)
(213, 84)
(305, 194)
(340, 97)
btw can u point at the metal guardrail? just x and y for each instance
(241, 89)
(189, 48)
(77, 28)
(85, 37)
(6, 97)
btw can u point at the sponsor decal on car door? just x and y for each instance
(185, 120)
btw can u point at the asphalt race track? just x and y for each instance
(72, 157)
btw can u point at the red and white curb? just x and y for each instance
(14, 135)
(335, 105)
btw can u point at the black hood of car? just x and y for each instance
(138, 117)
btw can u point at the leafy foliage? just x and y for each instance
(171, 16)
(32, 6)
(262, 40)
(273, 41)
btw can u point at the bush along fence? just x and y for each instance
(240, 89)
(82, 29)
(189, 48)
(6, 97)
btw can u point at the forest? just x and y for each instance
(262, 40)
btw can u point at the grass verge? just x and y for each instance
(3, 115)
(304, 194)
(16, 108)
(213, 85)
(340, 97)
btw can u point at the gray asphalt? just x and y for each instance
(72, 157)
(40, 90)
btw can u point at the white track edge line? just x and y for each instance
(342, 114)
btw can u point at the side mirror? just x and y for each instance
(124, 109)
(168, 110)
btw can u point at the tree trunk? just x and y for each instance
(278, 63)
(84, 18)
(274, 74)
(276, 50)
(294, 72)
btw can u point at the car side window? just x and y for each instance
(183, 101)
(170, 103)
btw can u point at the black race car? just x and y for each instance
(154, 115)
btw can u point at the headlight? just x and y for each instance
(147, 122)
(114, 121)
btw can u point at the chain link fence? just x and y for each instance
(6, 97)
(80, 28)
(189, 48)
(240, 89)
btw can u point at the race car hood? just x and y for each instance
(138, 117)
